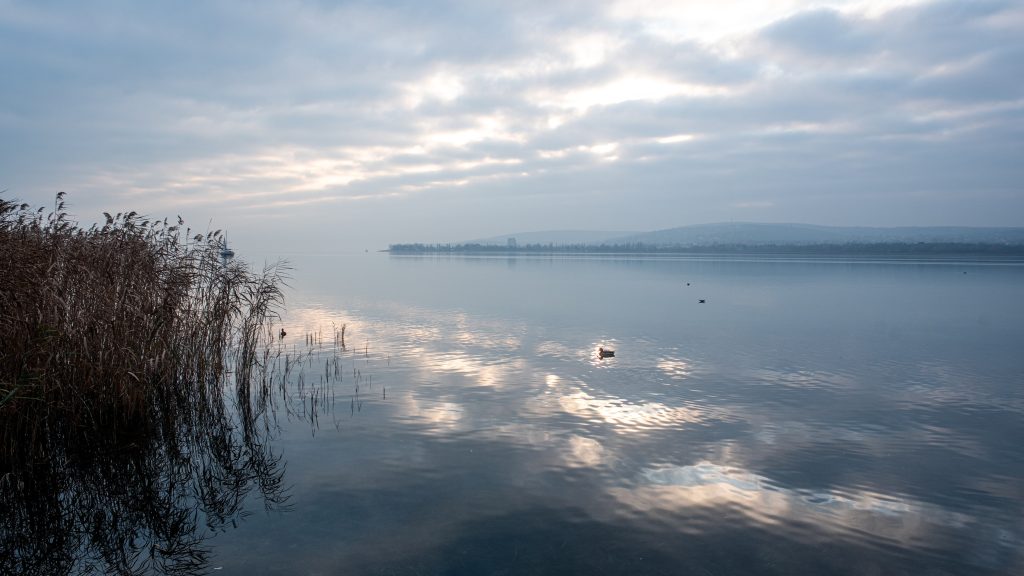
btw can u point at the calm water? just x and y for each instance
(811, 417)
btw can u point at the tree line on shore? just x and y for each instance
(822, 249)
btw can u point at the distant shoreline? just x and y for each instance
(873, 249)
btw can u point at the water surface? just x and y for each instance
(812, 416)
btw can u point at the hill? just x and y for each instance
(557, 237)
(805, 234)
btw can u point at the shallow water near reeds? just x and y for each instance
(811, 417)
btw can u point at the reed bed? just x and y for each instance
(95, 322)
(134, 392)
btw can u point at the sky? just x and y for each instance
(351, 125)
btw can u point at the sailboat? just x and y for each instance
(225, 252)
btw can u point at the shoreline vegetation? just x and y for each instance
(849, 249)
(135, 392)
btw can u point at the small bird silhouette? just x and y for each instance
(701, 301)
(283, 333)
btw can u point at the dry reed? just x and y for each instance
(118, 343)
(95, 321)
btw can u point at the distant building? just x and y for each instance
(512, 243)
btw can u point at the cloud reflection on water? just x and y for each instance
(583, 451)
(477, 369)
(675, 368)
(441, 416)
(625, 415)
(676, 489)
(680, 440)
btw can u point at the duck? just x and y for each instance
(601, 352)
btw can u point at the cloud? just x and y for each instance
(349, 106)
(824, 34)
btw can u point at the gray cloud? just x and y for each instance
(440, 121)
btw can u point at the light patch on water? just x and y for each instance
(706, 484)
(626, 416)
(675, 368)
(586, 452)
(441, 416)
(483, 373)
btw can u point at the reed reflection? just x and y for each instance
(145, 491)
(143, 494)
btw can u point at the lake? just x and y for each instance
(809, 417)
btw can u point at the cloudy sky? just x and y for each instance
(356, 124)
